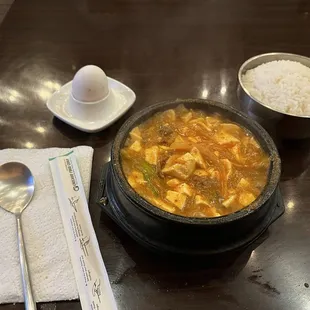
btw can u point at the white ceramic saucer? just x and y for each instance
(122, 98)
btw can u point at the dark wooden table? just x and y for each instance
(163, 49)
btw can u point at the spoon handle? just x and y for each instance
(28, 296)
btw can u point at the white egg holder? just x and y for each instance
(92, 116)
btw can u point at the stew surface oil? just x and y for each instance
(193, 164)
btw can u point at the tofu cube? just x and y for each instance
(136, 146)
(169, 115)
(177, 199)
(197, 120)
(198, 158)
(164, 148)
(246, 198)
(236, 152)
(135, 134)
(228, 202)
(163, 205)
(186, 158)
(201, 173)
(201, 122)
(243, 183)
(177, 170)
(178, 139)
(215, 213)
(212, 121)
(224, 138)
(192, 139)
(135, 179)
(151, 155)
(185, 189)
(201, 201)
(231, 128)
(214, 174)
(171, 160)
(183, 167)
(173, 182)
(187, 117)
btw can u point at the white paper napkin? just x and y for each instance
(47, 251)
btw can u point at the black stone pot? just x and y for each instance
(168, 233)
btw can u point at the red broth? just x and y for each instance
(193, 164)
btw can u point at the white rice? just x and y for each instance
(283, 85)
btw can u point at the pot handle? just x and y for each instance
(102, 199)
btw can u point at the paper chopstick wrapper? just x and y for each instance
(90, 273)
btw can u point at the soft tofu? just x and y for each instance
(201, 201)
(178, 139)
(135, 134)
(177, 199)
(246, 198)
(231, 128)
(192, 139)
(171, 160)
(186, 158)
(224, 138)
(135, 179)
(185, 189)
(214, 174)
(200, 122)
(236, 152)
(178, 171)
(243, 183)
(164, 148)
(197, 120)
(201, 173)
(187, 117)
(173, 182)
(212, 120)
(151, 155)
(189, 162)
(198, 158)
(169, 115)
(163, 205)
(136, 146)
(214, 213)
(182, 168)
(228, 202)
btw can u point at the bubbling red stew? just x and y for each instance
(193, 164)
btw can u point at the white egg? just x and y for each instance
(90, 84)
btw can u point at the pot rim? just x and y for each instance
(251, 125)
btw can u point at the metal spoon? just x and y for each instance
(16, 191)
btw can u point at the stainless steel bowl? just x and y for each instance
(279, 124)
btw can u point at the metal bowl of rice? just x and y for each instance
(274, 89)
